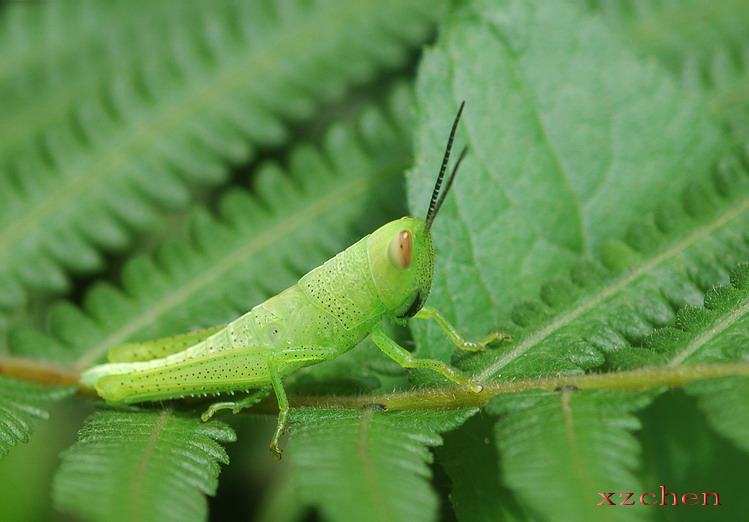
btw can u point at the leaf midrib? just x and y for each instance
(710, 334)
(563, 175)
(141, 471)
(372, 486)
(581, 470)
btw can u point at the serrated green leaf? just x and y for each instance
(470, 459)
(703, 44)
(682, 454)
(564, 123)
(559, 450)
(282, 503)
(22, 403)
(381, 459)
(717, 332)
(672, 254)
(142, 466)
(725, 403)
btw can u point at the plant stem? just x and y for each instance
(450, 397)
(462, 397)
(43, 372)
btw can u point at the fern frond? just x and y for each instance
(220, 80)
(558, 450)
(471, 460)
(258, 245)
(379, 457)
(560, 172)
(504, 237)
(673, 30)
(614, 320)
(282, 504)
(669, 260)
(725, 403)
(714, 333)
(21, 403)
(142, 466)
(57, 55)
(703, 43)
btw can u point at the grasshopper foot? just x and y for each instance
(496, 336)
(218, 406)
(275, 451)
(472, 346)
(475, 387)
(478, 346)
(234, 406)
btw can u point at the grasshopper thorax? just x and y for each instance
(401, 259)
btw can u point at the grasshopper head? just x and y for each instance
(401, 254)
(401, 257)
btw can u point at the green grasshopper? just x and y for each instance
(328, 312)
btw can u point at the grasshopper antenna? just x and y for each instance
(437, 197)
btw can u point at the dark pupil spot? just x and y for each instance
(415, 306)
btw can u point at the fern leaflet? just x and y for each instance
(559, 449)
(219, 82)
(21, 403)
(725, 403)
(378, 456)
(142, 466)
(258, 245)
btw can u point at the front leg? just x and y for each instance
(405, 359)
(429, 312)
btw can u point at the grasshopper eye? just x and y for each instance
(400, 249)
